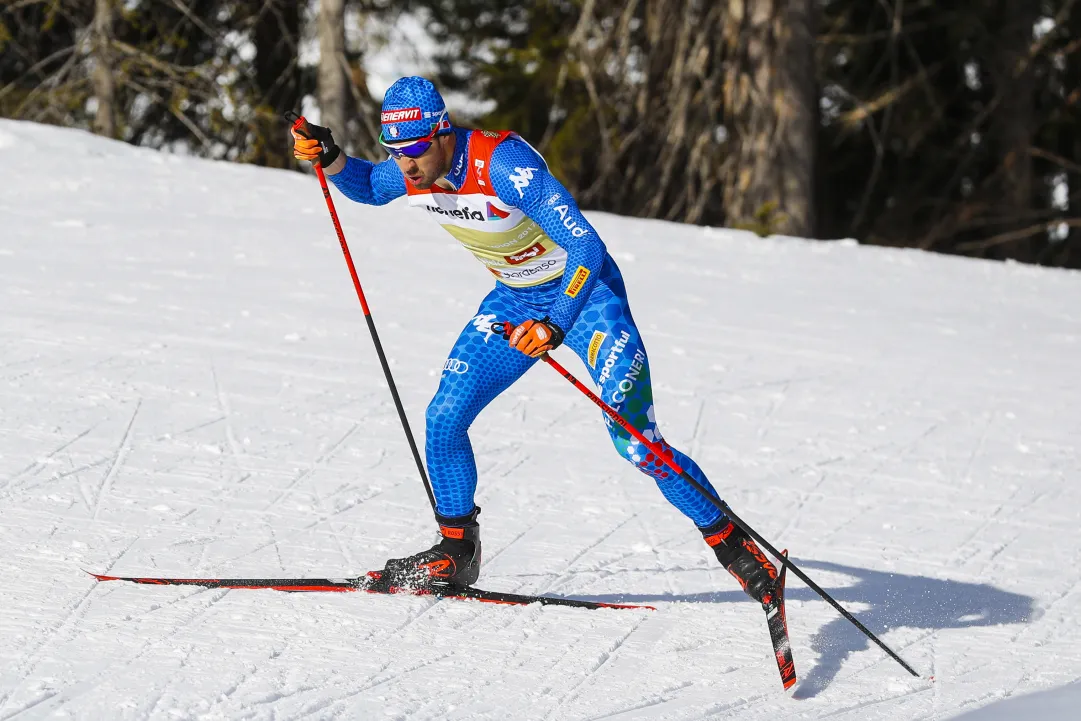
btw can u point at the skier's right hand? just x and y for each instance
(314, 142)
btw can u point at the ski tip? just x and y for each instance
(101, 577)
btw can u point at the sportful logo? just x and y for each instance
(495, 213)
(521, 178)
(613, 355)
(483, 324)
(400, 116)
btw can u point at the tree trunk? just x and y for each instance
(334, 94)
(277, 78)
(771, 115)
(1013, 125)
(103, 81)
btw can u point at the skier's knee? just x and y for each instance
(443, 419)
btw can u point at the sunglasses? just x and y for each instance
(416, 147)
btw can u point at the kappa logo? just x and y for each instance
(453, 365)
(531, 252)
(400, 116)
(483, 323)
(521, 177)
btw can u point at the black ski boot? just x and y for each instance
(742, 557)
(454, 560)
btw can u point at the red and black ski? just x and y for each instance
(372, 583)
(778, 632)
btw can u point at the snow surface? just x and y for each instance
(187, 387)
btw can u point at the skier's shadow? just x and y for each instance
(895, 600)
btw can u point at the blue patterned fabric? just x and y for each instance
(545, 200)
(369, 183)
(482, 365)
(411, 108)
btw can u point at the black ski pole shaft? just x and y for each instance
(300, 125)
(723, 507)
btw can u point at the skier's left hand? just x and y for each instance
(534, 337)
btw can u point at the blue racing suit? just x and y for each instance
(523, 225)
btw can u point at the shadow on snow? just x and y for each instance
(895, 601)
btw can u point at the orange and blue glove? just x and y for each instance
(534, 337)
(314, 142)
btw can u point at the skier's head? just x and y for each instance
(416, 130)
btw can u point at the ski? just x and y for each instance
(778, 632)
(372, 583)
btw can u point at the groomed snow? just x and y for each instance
(187, 387)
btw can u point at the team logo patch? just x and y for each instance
(495, 213)
(577, 282)
(400, 116)
(520, 257)
(521, 177)
(595, 347)
(453, 365)
(483, 323)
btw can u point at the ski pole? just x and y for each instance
(301, 126)
(721, 505)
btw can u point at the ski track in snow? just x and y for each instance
(187, 387)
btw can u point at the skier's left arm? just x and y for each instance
(520, 178)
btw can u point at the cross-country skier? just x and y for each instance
(555, 284)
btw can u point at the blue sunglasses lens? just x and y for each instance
(415, 150)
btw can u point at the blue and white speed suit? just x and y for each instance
(523, 225)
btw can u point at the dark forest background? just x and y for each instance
(949, 126)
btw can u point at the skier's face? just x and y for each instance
(422, 172)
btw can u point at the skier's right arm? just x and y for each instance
(368, 182)
(357, 179)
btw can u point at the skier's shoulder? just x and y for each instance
(502, 148)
